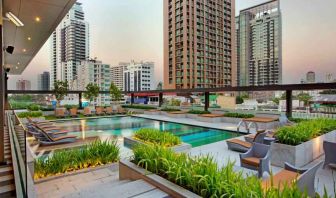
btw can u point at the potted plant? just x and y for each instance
(92, 92)
(115, 95)
(61, 90)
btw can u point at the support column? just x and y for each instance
(132, 98)
(6, 88)
(207, 101)
(160, 99)
(80, 104)
(2, 97)
(289, 105)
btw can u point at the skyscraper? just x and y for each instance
(43, 81)
(310, 77)
(94, 71)
(199, 44)
(117, 74)
(139, 76)
(69, 46)
(23, 85)
(259, 40)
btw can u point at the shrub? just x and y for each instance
(47, 108)
(32, 114)
(138, 106)
(304, 131)
(238, 115)
(15, 105)
(155, 136)
(94, 154)
(70, 106)
(174, 102)
(199, 112)
(166, 109)
(202, 176)
(33, 107)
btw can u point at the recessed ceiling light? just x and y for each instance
(24, 50)
(16, 67)
(18, 63)
(37, 19)
(29, 38)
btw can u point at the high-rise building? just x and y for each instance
(139, 76)
(199, 44)
(23, 85)
(69, 46)
(94, 71)
(259, 34)
(43, 81)
(117, 74)
(310, 77)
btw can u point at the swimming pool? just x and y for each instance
(119, 127)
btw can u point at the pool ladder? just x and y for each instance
(247, 126)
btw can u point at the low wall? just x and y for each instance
(146, 112)
(302, 154)
(182, 148)
(231, 120)
(208, 119)
(130, 171)
(176, 115)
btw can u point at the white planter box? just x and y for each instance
(192, 116)
(302, 154)
(231, 120)
(152, 112)
(48, 113)
(130, 171)
(209, 119)
(182, 148)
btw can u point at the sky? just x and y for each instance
(124, 30)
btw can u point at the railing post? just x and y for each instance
(289, 105)
(160, 99)
(132, 98)
(207, 101)
(80, 104)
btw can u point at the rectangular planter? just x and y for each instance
(182, 148)
(176, 115)
(152, 112)
(192, 116)
(302, 154)
(231, 120)
(209, 119)
(130, 171)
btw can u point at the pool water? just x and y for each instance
(119, 127)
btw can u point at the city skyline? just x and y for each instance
(142, 38)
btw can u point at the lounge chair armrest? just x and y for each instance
(290, 167)
(249, 153)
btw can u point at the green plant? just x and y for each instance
(199, 112)
(33, 107)
(174, 102)
(202, 176)
(92, 91)
(115, 93)
(155, 136)
(67, 106)
(166, 109)
(238, 115)
(305, 98)
(304, 131)
(94, 154)
(32, 114)
(61, 90)
(138, 106)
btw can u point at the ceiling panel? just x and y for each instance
(50, 12)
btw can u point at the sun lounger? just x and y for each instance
(243, 146)
(49, 140)
(304, 178)
(60, 113)
(87, 111)
(250, 138)
(37, 132)
(73, 112)
(109, 111)
(121, 110)
(99, 111)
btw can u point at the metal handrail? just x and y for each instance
(19, 166)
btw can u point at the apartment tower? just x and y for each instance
(69, 46)
(139, 76)
(259, 45)
(117, 74)
(43, 81)
(199, 44)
